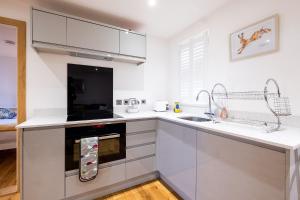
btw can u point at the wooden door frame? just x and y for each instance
(21, 85)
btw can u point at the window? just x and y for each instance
(192, 62)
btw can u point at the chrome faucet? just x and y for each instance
(209, 114)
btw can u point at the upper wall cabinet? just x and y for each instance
(60, 33)
(92, 36)
(49, 28)
(132, 44)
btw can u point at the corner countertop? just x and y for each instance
(286, 138)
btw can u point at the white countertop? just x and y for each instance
(287, 137)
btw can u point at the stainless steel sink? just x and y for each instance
(195, 119)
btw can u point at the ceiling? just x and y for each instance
(8, 33)
(165, 19)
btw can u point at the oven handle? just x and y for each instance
(116, 135)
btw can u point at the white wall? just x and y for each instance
(47, 78)
(8, 78)
(249, 74)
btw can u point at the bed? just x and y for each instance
(8, 119)
(8, 122)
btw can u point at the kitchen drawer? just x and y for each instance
(140, 138)
(140, 167)
(106, 176)
(139, 126)
(139, 152)
(132, 44)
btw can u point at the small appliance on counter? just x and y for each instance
(161, 106)
(177, 108)
(133, 105)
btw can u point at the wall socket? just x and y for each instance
(119, 102)
(125, 102)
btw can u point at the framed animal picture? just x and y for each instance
(254, 40)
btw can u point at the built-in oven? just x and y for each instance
(112, 143)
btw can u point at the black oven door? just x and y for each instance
(112, 143)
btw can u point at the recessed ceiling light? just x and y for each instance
(151, 3)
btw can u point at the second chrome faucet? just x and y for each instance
(209, 114)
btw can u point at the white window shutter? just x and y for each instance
(193, 57)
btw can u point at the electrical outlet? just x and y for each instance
(125, 102)
(143, 101)
(119, 102)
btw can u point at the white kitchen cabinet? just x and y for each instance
(92, 36)
(140, 167)
(233, 170)
(43, 164)
(176, 157)
(132, 44)
(140, 126)
(49, 28)
(106, 176)
(140, 152)
(140, 138)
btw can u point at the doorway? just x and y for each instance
(12, 99)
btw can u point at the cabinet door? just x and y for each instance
(232, 170)
(176, 157)
(43, 164)
(92, 36)
(132, 44)
(49, 28)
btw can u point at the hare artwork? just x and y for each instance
(254, 37)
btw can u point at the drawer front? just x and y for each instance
(139, 126)
(106, 176)
(140, 138)
(139, 152)
(140, 167)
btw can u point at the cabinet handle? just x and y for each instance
(103, 137)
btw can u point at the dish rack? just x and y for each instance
(278, 105)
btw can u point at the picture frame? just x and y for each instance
(257, 39)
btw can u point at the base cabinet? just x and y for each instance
(176, 158)
(196, 164)
(232, 170)
(140, 148)
(43, 163)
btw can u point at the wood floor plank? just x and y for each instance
(15, 196)
(154, 190)
(8, 168)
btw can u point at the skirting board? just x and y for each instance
(116, 187)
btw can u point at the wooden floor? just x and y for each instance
(11, 197)
(7, 170)
(150, 191)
